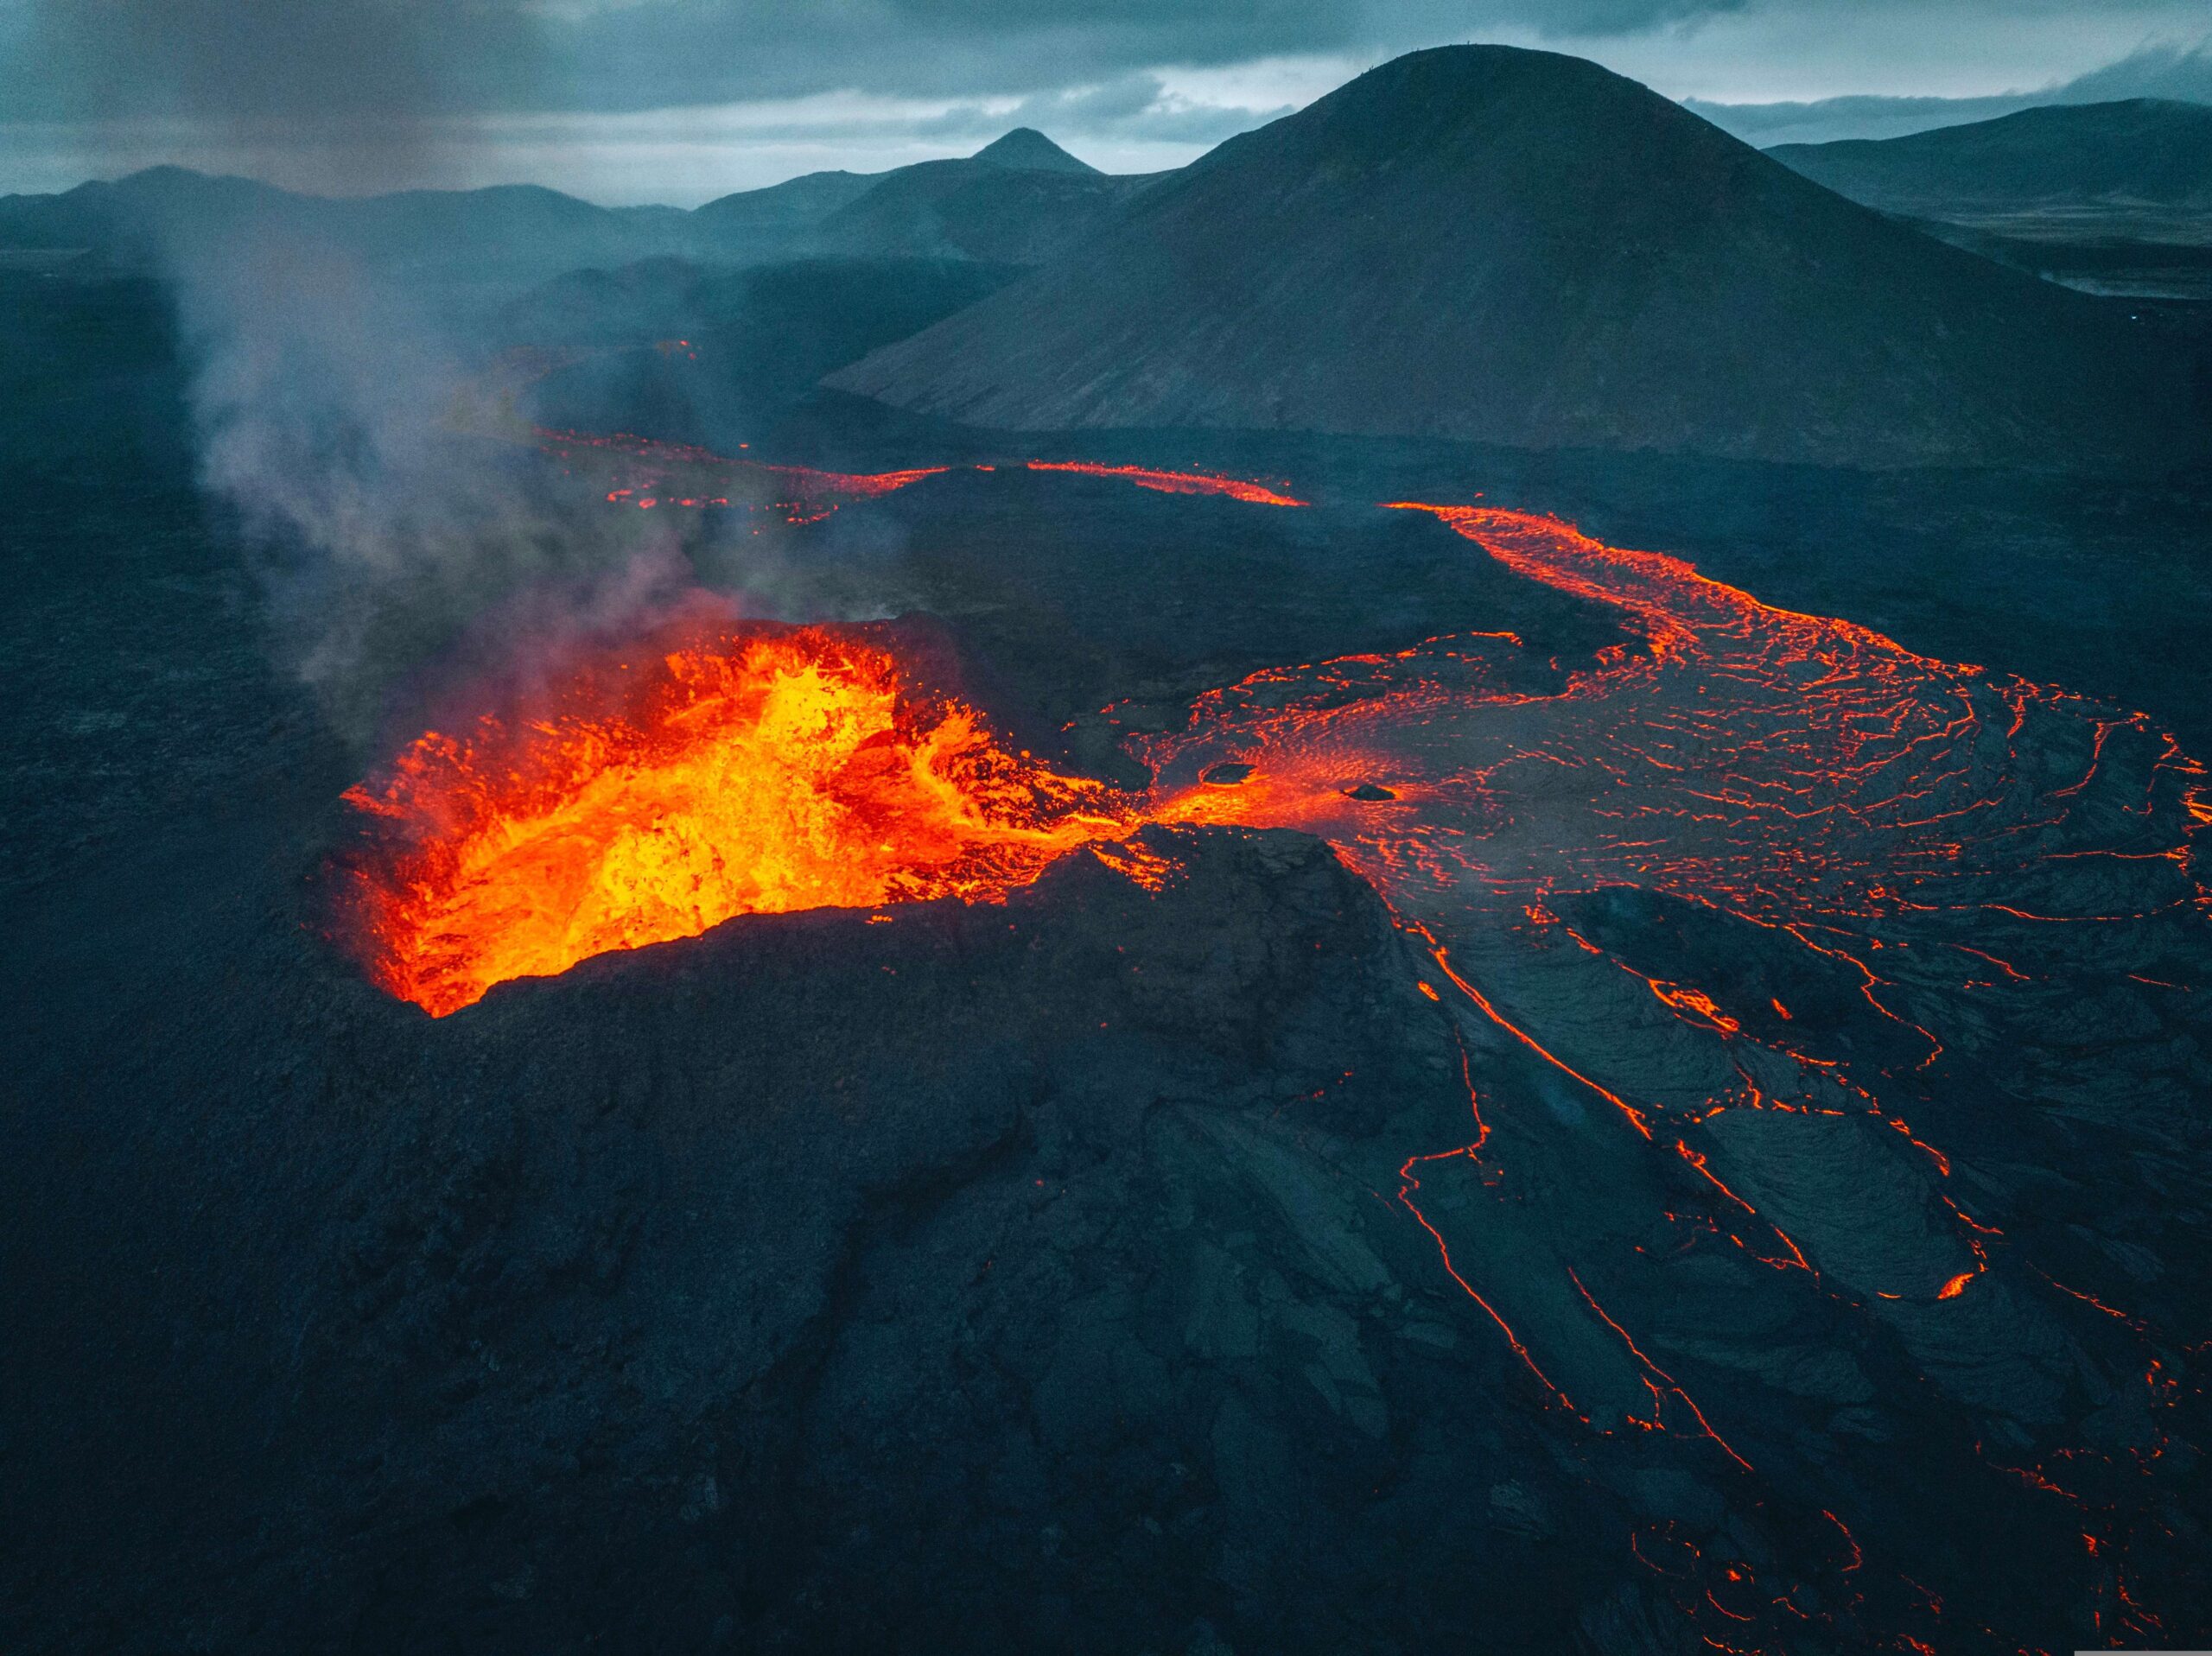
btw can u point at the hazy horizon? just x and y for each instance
(438, 97)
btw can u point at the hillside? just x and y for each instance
(781, 215)
(514, 231)
(753, 339)
(1500, 245)
(2144, 149)
(1019, 200)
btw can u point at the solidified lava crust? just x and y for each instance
(1767, 908)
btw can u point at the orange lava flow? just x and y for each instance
(1258, 494)
(1802, 773)
(753, 772)
(647, 472)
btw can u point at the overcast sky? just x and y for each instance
(681, 101)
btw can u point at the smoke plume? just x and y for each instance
(338, 406)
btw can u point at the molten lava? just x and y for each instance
(1928, 847)
(646, 472)
(1145, 476)
(742, 773)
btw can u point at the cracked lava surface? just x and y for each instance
(1905, 870)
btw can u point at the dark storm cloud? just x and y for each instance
(75, 60)
(349, 95)
(662, 51)
(246, 58)
(1433, 21)
(325, 59)
(2155, 72)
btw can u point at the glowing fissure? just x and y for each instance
(1807, 775)
(1839, 782)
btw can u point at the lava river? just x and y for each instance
(1979, 893)
(1900, 892)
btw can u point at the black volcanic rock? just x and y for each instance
(2140, 150)
(707, 1283)
(1487, 244)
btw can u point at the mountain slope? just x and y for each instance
(1499, 245)
(130, 214)
(1021, 200)
(1025, 148)
(781, 215)
(522, 230)
(2142, 149)
(754, 338)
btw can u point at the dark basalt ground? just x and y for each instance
(951, 1281)
(960, 1280)
(1009, 1277)
(816, 1283)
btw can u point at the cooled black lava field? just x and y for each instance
(1558, 1106)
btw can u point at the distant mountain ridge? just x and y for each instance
(1499, 245)
(534, 230)
(1027, 149)
(791, 208)
(2142, 149)
(1019, 199)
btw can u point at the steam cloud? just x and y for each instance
(341, 428)
(339, 409)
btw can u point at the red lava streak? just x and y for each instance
(1803, 775)
(646, 472)
(1258, 494)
